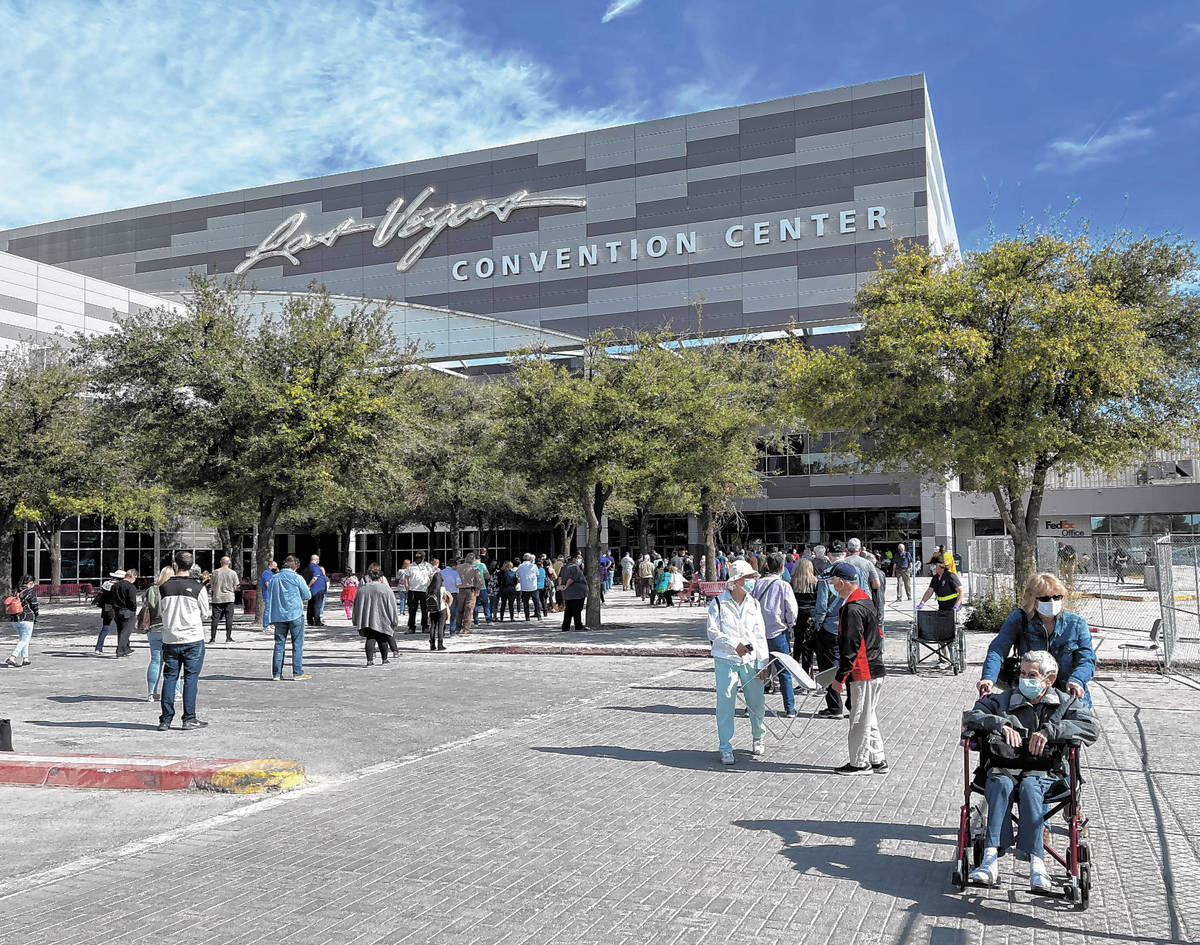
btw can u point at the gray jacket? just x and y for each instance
(1061, 716)
(375, 609)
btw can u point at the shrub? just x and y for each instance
(989, 613)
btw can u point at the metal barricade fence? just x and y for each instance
(1177, 559)
(1110, 585)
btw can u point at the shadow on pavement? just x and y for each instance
(662, 709)
(73, 699)
(147, 727)
(690, 759)
(920, 883)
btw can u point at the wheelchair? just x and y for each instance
(1063, 798)
(941, 637)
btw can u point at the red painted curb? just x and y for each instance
(522, 649)
(133, 772)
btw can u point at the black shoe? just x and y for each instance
(432, 647)
(210, 640)
(229, 639)
(852, 769)
(164, 726)
(829, 714)
(441, 648)
(194, 723)
(880, 767)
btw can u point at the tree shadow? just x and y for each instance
(74, 699)
(146, 727)
(676, 688)
(870, 860)
(662, 709)
(690, 759)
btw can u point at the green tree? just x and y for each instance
(256, 410)
(1039, 353)
(42, 413)
(580, 428)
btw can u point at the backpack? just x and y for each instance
(13, 606)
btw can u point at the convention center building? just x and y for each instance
(772, 214)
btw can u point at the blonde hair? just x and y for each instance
(803, 580)
(1039, 585)
(164, 575)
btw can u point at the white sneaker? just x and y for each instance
(727, 757)
(1039, 879)
(756, 748)
(987, 873)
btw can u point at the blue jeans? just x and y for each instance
(187, 658)
(284, 629)
(104, 628)
(730, 675)
(484, 600)
(155, 669)
(1031, 811)
(401, 600)
(779, 644)
(453, 628)
(24, 630)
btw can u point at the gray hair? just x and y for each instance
(853, 545)
(818, 550)
(527, 557)
(1046, 663)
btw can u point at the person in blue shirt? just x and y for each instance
(825, 635)
(314, 574)
(450, 581)
(1042, 623)
(264, 579)
(283, 608)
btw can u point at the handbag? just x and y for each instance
(143, 619)
(1010, 666)
(13, 606)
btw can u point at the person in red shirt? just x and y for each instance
(860, 643)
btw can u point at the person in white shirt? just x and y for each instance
(416, 583)
(527, 577)
(739, 646)
(626, 571)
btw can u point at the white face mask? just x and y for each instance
(1050, 608)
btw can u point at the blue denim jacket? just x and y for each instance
(1071, 646)
(285, 598)
(829, 607)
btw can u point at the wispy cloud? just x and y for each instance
(617, 7)
(1103, 144)
(123, 102)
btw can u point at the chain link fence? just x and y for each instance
(1177, 576)
(1114, 582)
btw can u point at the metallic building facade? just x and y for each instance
(773, 213)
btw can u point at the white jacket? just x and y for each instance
(730, 624)
(527, 574)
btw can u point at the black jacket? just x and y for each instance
(860, 640)
(124, 595)
(1060, 715)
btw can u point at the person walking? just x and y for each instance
(23, 619)
(416, 588)
(626, 571)
(318, 584)
(185, 613)
(284, 610)
(225, 582)
(349, 592)
(375, 615)
(645, 574)
(574, 593)
(1120, 561)
(470, 583)
(438, 607)
(108, 616)
(527, 577)
(777, 601)
(154, 633)
(903, 563)
(124, 598)
(739, 646)
(860, 666)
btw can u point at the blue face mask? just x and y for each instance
(1030, 688)
(748, 585)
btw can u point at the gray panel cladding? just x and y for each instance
(826, 152)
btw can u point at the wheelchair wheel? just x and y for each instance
(959, 879)
(913, 654)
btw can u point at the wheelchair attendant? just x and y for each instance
(1042, 623)
(1027, 731)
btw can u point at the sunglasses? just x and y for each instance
(1050, 597)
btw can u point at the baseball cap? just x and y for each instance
(844, 571)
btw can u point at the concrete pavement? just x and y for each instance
(490, 798)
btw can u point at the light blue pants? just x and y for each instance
(24, 630)
(154, 670)
(729, 677)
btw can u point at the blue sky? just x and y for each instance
(1039, 106)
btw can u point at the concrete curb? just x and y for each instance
(139, 772)
(529, 649)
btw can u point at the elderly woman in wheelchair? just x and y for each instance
(1028, 738)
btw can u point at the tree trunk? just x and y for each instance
(54, 545)
(269, 507)
(564, 539)
(456, 544)
(8, 523)
(120, 546)
(643, 520)
(593, 507)
(708, 522)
